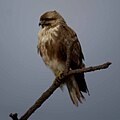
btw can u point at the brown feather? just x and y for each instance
(53, 40)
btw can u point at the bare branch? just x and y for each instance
(14, 116)
(53, 87)
(90, 69)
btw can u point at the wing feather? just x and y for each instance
(76, 56)
(65, 37)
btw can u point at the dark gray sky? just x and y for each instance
(24, 77)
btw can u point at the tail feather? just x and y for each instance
(81, 83)
(74, 92)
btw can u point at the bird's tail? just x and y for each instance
(74, 91)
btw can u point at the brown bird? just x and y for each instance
(53, 40)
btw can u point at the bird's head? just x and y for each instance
(50, 19)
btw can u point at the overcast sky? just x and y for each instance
(24, 77)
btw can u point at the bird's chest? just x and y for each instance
(47, 45)
(49, 49)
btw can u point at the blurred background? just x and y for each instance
(24, 77)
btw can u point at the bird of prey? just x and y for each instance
(53, 40)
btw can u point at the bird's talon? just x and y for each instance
(60, 75)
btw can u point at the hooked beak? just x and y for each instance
(40, 24)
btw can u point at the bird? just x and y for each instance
(54, 37)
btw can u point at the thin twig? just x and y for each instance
(14, 116)
(90, 69)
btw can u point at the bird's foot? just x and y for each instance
(60, 75)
